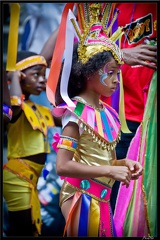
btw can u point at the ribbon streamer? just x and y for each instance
(13, 37)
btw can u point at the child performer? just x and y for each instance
(86, 157)
(27, 145)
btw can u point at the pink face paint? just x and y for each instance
(106, 73)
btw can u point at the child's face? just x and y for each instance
(106, 78)
(34, 81)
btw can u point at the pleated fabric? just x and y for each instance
(136, 207)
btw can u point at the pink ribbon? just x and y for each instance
(56, 138)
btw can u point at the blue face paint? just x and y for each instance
(103, 77)
(106, 74)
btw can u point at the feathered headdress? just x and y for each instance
(93, 32)
(95, 36)
(96, 32)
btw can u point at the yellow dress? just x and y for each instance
(27, 136)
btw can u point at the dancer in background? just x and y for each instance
(27, 145)
(138, 44)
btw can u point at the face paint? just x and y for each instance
(106, 73)
(103, 75)
(33, 79)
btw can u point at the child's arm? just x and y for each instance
(15, 91)
(66, 167)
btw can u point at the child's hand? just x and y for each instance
(120, 173)
(15, 75)
(135, 168)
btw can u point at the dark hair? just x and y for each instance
(24, 54)
(80, 72)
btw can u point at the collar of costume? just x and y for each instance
(39, 117)
(103, 124)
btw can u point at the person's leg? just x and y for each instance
(21, 223)
(72, 230)
(121, 152)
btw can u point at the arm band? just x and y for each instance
(67, 143)
(7, 111)
(16, 101)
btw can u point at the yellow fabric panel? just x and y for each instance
(23, 141)
(99, 123)
(16, 192)
(94, 218)
(40, 117)
(20, 187)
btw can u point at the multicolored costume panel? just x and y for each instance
(96, 147)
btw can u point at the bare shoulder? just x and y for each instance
(71, 130)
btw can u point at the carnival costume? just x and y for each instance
(99, 128)
(27, 136)
(136, 207)
(100, 131)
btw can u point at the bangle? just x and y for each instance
(67, 143)
(7, 111)
(17, 101)
(64, 142)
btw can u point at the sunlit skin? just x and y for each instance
(96, 87)
(109, 76)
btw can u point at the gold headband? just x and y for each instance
(30, 61)
(92, 50)
(95, 35)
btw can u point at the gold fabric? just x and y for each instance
(20, 187)
(90, 153)
(94, 219)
